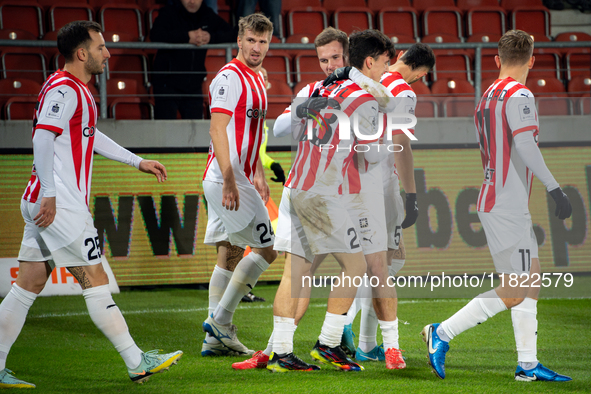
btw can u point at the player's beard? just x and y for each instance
(93, 67)
(252, 64)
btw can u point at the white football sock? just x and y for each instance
(108, 318)
(244, 278)
(332, 329)
(269, 347)
(390, 334)
(475, 312)
(368, 326)
(525, 328)
(362, 292)
(217, 285)
(395, 266)
(13, 313)
(283, 330)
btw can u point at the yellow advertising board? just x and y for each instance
(152, 234)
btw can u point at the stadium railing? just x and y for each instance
(228, 48)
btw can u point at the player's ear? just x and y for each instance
(81, 54)
(532, 60)
(399, 55)
(498, 61)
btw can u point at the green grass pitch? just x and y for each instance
(61, 351)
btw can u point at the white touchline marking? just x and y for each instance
(265, 306)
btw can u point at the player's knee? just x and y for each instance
(268, 254)
(511, 302)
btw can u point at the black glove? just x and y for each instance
(412, 210)
(563, 207)
(338, 75)
(310, 106)
(279, 173)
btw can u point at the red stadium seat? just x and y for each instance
(485, 84)
(458, 107)
(332, 5)
(287, 6)
(546, 65)
(534, 20)
(17, 88)
(350, 19)
(279, 97)
(578, 63)
(128, 63)
(225, 12)
(24, 63)
(20, 108)
(579, 86)
(377, 5)
(151, 15)
(62, 13)
(121, 22)
(307, 69)
(489, 69)
(427, 106)
(399, 23)
(447, 87)
(573, 36)
(22, 15)
(310, 21)
(442, 20)
(485, 21)
(452, 64)
(551, 98)
(510, 5)
(466, 5)
(422, 5)
(131, 108)
(277, 63)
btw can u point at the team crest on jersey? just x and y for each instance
(526, 113)
(363, 223)
(55, 110)
(222, 93)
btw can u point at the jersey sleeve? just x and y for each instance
(225, 91)
(57, 108)
(367, 113)
(521, 112)
(406, 103)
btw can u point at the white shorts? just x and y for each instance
(70, 241)
(511, 240)
(326, 223)
(394, 212)
(250, 224)
(215, 231)
(368, 215)
(290, 233)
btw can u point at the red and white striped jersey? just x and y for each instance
(322, 161)
(306, 91)
(240, 93)
(406, 102)
(506, 109)
(67, 108)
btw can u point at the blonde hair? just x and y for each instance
(258, 23)
(515, 48)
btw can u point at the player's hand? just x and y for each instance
(412, 210)
(46, 213)
(313, 105)
(262, 187)
(154, 167)
(230, 196)
(279, 173)
(563, 207)
(338, 75)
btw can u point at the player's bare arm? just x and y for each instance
(260, 182)
(219, 139)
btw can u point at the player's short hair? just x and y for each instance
(331, 34)
(74, 35)
(419, 56)
(515, 48)
(366, 43)
(258, 23)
